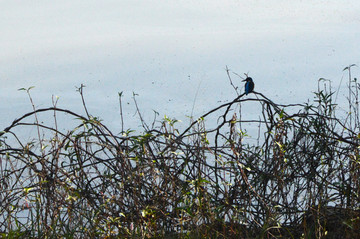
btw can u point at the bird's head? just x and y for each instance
(248, 79)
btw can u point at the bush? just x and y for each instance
(196, 182)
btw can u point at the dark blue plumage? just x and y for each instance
(249, 85)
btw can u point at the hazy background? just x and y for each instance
(170, 51)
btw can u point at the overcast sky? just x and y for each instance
(170, 51)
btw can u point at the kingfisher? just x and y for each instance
(249, 85)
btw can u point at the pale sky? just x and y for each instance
(170, 51)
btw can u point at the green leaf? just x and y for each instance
(27, 190)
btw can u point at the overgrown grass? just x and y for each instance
(300, 179)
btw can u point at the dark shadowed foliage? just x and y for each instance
(299, 177)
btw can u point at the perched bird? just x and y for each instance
(249, 85)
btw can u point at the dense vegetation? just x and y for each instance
(298, 179)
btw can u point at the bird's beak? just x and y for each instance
(244, 80)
